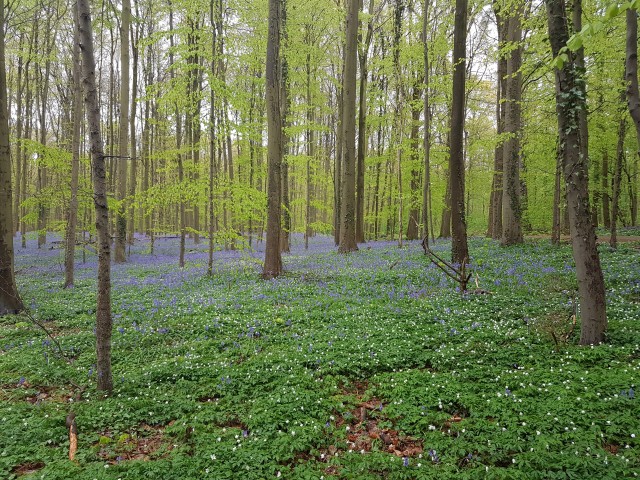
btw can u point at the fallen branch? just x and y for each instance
(459, 274)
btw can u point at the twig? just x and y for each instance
(39, 324)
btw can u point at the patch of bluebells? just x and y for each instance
(630, 394)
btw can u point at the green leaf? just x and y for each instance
(575, 42)
(612, 11)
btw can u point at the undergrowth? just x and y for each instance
(363, 366)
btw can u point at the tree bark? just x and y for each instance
(617, 181)
(123, 150)
(272, 259)
(495, 203)
(557, 197)
(348, 207)
(362, 128)
(72, 216)
(413, 223)
(459, 247)
(569, 101)
(19, 127)
(133, 171)
(633, 99)
(426, 188)
(511, 207)
(285, 98)
(606, 211)
(10, 301)
(103, 311)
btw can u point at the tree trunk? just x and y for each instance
(495, 203)
(337, 175)
(133, 172)
(459, 248)
(10, 301)
(123, 150)
(413, 225)
(311, 152)
(426, 188)
(285, 234)
(511, 206)
(633, 99)
(272, 259)
(617, 180)
(43, 98)
(212, 133)
(72, 217)
(19, 126)
(362, 128)
(606, 211)
(348, 207)
(103, 311)
(569, 101)
(557, 197)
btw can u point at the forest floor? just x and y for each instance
(364, 366)
(600, 239)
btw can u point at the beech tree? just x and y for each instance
(273, 259)
(459, 248)
(92, 107)
(511, 207)
(123, 146)
(72, 216)
(570, 100)
(348, 200)
(10, 301)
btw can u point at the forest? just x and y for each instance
(353, 239)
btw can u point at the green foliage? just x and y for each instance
(226, 374)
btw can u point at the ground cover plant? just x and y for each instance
(367, 365)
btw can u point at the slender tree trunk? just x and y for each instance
(348, 207)
(133, 177)
(43, 98)
(72, 218)
(18, 143)
(606, 211)
(445, 224)
(511, 206)
(123, 150)
(285, 234)
(569, 101)
(362, 128)
(273, 260)
(617, 180)
(212, 133)
(633, 100)
(308, 232)
(459, 248)
(557, 197)
(10, 301)
(103, 311)
(178, 120)
(27, 135)
(426, 188)
(337, 174)
(413, 224)
(495, 204)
